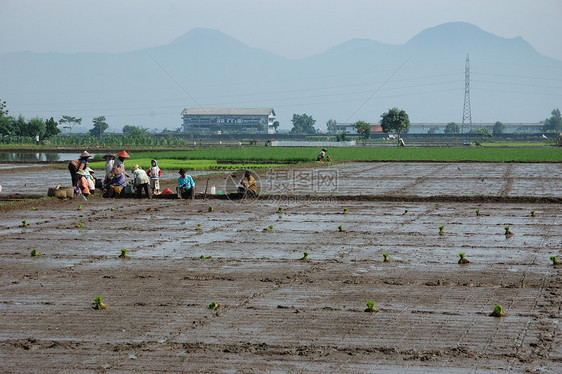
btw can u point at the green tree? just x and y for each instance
(363, 129)
(303, 124)
(331, 126)
(36, 126)
(452, 128)
(20, 127)
(7, 123)
(395, 120)
(342, 136)
(70, 122)
(99, 127)
(275, 125)
(3, 110)
(431, 130)
(134, 131)
(484, 133)
(498, 128)
(554, 122)
(51, 128)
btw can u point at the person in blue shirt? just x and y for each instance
(115, 186)
(186, 186)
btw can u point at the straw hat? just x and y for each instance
(85, 154)
(89, 169)
(109, 155)
(136, 167)
(123, 154)
(81, 172)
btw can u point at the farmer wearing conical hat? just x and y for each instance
(80, 164)
(119, 165)
(323, 157)
(83, 182)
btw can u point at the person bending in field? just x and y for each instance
(323, 157)
(249, 187)
(140, 181)
(186, 186)
(82, 183)
(80, 164)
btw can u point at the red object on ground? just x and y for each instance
(167, 191)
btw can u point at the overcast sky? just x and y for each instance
(290, 28)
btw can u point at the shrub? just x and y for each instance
(498, 311)
(371, 307)
(36, 253)
(99, 304)
(214, 306)
(463, 260)
(123, 253)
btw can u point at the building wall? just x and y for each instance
(242, 123)
(509, 128)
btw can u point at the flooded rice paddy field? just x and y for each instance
(362, 178)
(279, 313)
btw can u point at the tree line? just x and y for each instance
(397, 121)
(393, 121)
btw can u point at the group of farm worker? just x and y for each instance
(114, 180)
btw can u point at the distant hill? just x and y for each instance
(356, 80)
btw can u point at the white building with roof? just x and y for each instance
(228, 120)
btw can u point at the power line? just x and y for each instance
(380, 87)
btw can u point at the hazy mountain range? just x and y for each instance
(356, 80)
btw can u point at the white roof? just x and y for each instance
(229, 111)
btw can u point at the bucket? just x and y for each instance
(213, 190)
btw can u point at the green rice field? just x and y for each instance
(234, 157)
(177, 163)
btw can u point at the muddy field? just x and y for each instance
(278, 312)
